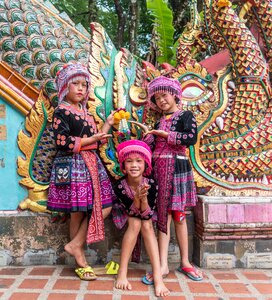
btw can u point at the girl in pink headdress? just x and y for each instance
(79, 184)
(136, 199)
(175, 131)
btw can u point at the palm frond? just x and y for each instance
(163, 22)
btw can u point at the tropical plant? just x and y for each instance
(164, 30)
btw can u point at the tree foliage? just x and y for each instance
(117, 17)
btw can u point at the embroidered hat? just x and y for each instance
(128, 148)
(164, 84)
(68, 73)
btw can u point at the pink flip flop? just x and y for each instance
(190, 272)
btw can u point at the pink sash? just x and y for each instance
(96, 232)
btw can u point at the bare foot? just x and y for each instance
(122, 283)
(161, 290)
(165, 271)
(77, 253)
(148, 278)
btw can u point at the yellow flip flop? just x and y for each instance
(81, 273)
(111, 268)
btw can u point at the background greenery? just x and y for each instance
(110, 13)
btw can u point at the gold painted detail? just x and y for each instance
(27, 143)
(3, 133)
(2, 111)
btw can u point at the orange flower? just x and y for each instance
(224, 3)
(120, 114)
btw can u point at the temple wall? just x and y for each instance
(233, 232)
(28, 238)
(11, 121)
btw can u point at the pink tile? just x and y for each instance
(33, 284)
(235, 288)
(11, 271)
(258, 212)
(24, 296)
(201, 287)
(235, 213)
(97, 297)
(62, 296)
(263, 288)
(217, 213)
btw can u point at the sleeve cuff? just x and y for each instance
(147, 212)
(77, 145)
(134, 209)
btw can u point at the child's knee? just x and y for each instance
(147, 227)
(134, 224)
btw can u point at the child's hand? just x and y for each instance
(161, 133)
(110, 119)
(142, 126)
(101, 135)
(143, 191)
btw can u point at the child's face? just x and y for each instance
(165, 101)
(134, 166)
(77, 91)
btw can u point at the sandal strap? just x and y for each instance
(82, 271)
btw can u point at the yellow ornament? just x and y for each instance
(127, 115)
(122, 114)
(224, 3)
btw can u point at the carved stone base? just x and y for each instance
(28, 238)
(233, 232)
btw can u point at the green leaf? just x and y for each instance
(163, 22)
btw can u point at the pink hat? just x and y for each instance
(164, 84)
(127, 148)
(67, 74)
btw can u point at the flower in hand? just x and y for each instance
(110, 118)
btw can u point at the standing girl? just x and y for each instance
(175, 131)
(74, 185)
(136, 199)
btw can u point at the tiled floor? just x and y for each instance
(60, 283)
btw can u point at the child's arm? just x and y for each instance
(143, 196)
(137, 199)
(109, 122)
(65, 141)
(94, 138)
(149, 202)
(62, 133)
(124, 200)
(184, 132)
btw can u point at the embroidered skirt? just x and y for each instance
(176, 187)
(78, 194)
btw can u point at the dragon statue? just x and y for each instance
(233, 155)
(231, 102)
